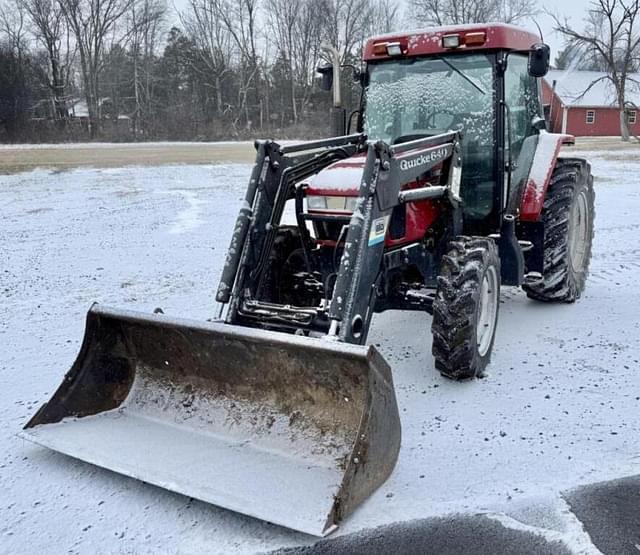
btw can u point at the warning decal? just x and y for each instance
(378, 230)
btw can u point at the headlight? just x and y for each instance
(350, 203)
(347, 204)
(317, 203)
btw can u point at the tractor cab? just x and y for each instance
(479, 79)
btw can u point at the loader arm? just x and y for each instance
(271, 179)
(386, 170)
(207, 409)
(276, 173)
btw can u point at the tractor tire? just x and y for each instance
(274, 286)
(567, 215)
(465, 308)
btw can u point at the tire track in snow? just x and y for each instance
(190, 217)
(620, 254)
(615, 228)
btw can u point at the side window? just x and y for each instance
(591, 117)
(521, 95)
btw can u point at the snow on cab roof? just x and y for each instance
(590, 88)
(429, 41)
(445, 29)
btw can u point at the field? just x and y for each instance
(113, 155)
(147, 227)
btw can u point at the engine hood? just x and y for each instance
(341, 178)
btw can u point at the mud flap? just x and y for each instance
(292, 430)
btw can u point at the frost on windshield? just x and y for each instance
(429, 97)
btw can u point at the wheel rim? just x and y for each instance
(578, 230)
(488, 310)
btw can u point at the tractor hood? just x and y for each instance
(341, 178)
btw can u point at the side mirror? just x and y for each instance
(539, 59)
(359, 76)
(539, 123)
(326, 71)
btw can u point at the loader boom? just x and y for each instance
(279, 175)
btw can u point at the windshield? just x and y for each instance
(413, 97)
(426, 96)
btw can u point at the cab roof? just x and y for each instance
(497, 36)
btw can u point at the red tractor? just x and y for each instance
(449, 188)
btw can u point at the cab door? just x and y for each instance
(523, 111)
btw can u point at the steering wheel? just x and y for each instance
(431, 118)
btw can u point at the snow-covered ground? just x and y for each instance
(560, 406)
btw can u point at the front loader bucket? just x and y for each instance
(288, 429)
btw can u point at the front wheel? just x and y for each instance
(465, 308)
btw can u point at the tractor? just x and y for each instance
(448, 188)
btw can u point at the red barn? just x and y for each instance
(577, 106)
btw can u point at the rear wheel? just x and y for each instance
(286, 279)
(275, 284)
(465, 308)
(567, 216)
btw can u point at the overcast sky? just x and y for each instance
(574, 10)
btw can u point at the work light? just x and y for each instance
(451, 41)
(394, 49)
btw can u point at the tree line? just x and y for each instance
(216, 69)
(133, 68)
(226, 69)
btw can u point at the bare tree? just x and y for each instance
(227, 31)
(456, 12)
(612, 38)
(14, 28)
(145, 21)
(50, 30)
(575, 56)
(297, 26)
(346, 24)
(384, 17)
(205, 28)
(283, 17)
(95, 27)
(240, 18)
(306, 49)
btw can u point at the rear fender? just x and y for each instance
(544, 160)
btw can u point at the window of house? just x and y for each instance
(591, 116)
(632, 116)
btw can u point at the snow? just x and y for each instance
(541, 168)
(402, 99)
(560, 406)
(188, 218)
(590, 88)
(220, 468)
(340, 177)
